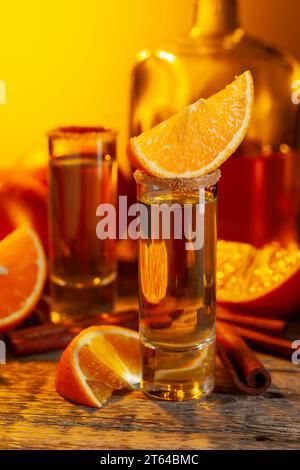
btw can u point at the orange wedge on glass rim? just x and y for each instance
(22, 276)
(198, 139)
(98, 361)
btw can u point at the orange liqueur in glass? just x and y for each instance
(178, 294)
(82, 173)
(258, 202)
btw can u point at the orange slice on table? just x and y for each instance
(98, 361)
(263, 282)
(198, 139)
(22, 276)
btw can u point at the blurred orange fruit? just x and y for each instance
(98, 361)
(198, 139)
(35, 163)
(262, 281)
(23, 199)
(22, 276)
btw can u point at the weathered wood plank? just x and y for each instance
(33, 416)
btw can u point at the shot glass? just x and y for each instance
(82, 176)
(177, 285)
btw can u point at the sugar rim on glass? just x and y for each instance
(81, 132)
(179, 184)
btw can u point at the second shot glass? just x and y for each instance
(82, 176)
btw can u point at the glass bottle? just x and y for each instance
(257, 192)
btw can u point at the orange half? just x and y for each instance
(199, 138)
(22, 276)
(262, 281)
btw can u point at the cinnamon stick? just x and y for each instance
(51, 337)
(269, 344)
(272, 327)
(246, 371)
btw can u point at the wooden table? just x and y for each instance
(34, 416)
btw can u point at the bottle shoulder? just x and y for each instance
(257, 48)
(237, 46)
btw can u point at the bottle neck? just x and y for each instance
(215, 18)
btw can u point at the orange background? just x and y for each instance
(69, 61)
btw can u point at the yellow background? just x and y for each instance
(69, 61)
